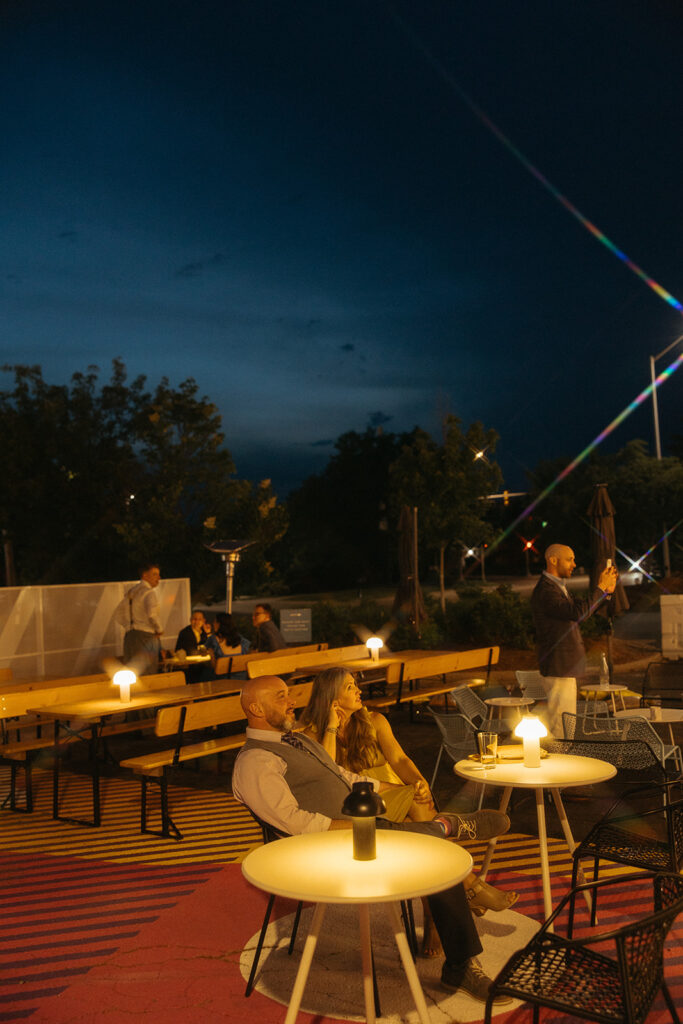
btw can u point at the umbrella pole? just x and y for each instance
(610, 635)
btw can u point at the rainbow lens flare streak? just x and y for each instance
(568, 205)
(634, 565)
(479, 113)
(637, 564)
(631, 407)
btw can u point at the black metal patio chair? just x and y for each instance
(624, 729)
(270, 834)
(635, 761)
(642, 829)
(610, 977)
(458, 737)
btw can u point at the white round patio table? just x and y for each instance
(319, 867)
(611, 689)
(556, 772)
(508, 702)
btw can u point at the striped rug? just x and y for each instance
(104, 925)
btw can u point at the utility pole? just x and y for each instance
(666, 557)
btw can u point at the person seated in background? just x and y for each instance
(192, 640)
(268, 636)
(363, 741)
(224, 641)
(193, 636)
(291, 782)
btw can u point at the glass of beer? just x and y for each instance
(488, 748)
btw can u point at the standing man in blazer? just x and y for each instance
(559, 645)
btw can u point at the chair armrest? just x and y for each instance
(571, 896)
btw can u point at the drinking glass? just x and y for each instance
(488, 748)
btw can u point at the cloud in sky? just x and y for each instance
(176, 192)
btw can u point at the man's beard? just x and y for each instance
(282, 722)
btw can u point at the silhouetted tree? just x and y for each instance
(339, 532)
(447, 482)
(99, 477)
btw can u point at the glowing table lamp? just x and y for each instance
(530, 729)
(363, 805)
(373, 644)
(124, 679)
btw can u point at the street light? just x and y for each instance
(658, 445)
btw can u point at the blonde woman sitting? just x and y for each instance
(363, 741)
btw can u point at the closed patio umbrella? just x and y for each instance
(408, 601)
(601, 510)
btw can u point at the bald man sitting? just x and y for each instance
(559, 645)
(291, 782)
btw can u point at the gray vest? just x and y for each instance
(313, 778)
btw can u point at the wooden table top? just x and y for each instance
(101, 707)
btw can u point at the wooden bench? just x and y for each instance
(414, 670)
(181, 721)
(281, 663)
(231, 664)
(14, 717)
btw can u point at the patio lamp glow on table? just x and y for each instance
(530, 730)
(124, 679)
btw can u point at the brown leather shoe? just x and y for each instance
(470, 978)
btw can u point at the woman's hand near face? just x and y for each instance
(337, 715)
(342, 715)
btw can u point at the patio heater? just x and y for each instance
(230, 551)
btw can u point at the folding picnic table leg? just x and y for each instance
(169, 829)
(11, 797)
(94, 762)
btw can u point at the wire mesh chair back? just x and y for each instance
(635, 760)
(470, 705)
(589, 726)
(611, 977)
(457, 737)
(640, 729)
(593, 708)
(625, 729)
(531, 684)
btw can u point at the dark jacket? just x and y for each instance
(186, 640)
(559, 644)
(269, 637)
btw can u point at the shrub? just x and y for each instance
(489, 617)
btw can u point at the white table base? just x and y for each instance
(542, 842)
(366, 957)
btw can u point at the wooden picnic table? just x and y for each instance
(94, 712)
(365, 664)
(399, 667)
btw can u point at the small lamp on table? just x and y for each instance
(363, 805)
(373, 644)
(124, 679)
(530, 729)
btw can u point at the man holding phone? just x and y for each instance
(559, 645)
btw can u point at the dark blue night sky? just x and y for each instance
(292, 203)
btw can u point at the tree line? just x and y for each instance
(98, 476)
